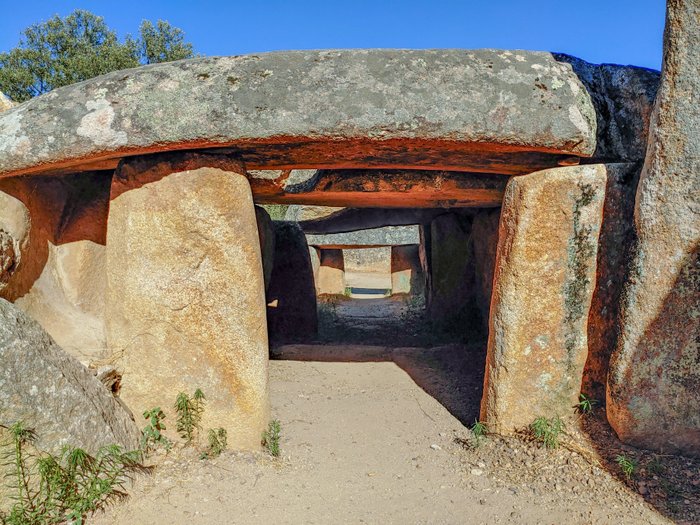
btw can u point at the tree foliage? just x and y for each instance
(80, 46)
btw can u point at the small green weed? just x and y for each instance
(547, 431)
(627, 465)
(217, 443)
(585, 404)
(189, 414)
(655, 466)
(152, 434)
(478, 432)
(271, 438)
(65, 488)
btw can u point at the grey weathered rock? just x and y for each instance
(387, 236)
(353, 219)
(53, 393)
(654, 377)
(481, 110)
(623, 97)
(299, 213)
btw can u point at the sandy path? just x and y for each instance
(362, 443)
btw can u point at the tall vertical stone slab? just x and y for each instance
(406, 272)
(653, 398)
(331, 272)
(451, 261)
(185, 294)
(485, 240)
(543, 283)
(266, 236)
(614, 250)
(292, 316)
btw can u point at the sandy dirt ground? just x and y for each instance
(380, 434)
(363, 443)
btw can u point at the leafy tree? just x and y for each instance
(66, 50)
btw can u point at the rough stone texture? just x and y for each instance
(68, 299)
(185, 295)
(368, 260)
(485, 240)
(406, 272)
(615, 243)
(291, 297)
(53, 393)
(385, 188)
(331, 272)
(5, 102)
(451, 263)
(61, 210)
(353, 219)
(15, 225)
(543, 283)
(299, 213)
(654, 378)
(470, 110)
(266, 237)
(623, 97)
(386, 236)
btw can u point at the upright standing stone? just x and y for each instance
(331, 272)
(653, 396)
(406, 273)
(185, 294)
(451, 293)
(615, 244)
(291, 297)
(266, 236)
(543, 282)
(485, 239)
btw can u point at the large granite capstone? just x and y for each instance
(480, 110)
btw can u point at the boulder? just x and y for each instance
(54, 394)
(654, 379)
(291, 296)
(614, 251)
(485, 240)
(299, 213)
(185, 292)
(543, 284)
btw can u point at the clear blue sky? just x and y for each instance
(617, 31)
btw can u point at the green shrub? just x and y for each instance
(271, 438)
(547, 431)
(189, 414)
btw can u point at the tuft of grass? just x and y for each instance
(217, 438)
(655, 466)
(152, 434)
(478, 432)
(65, 488)
(189, 414)
(628, 466)
(271, 438)
(547, 431)
(585, 404)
